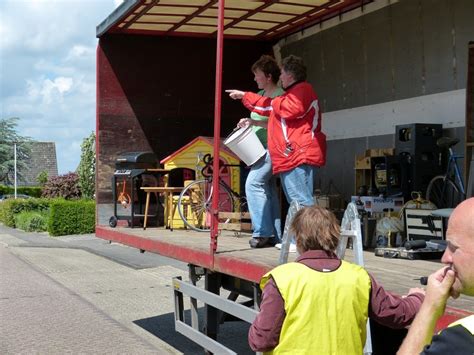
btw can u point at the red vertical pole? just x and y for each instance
(217, 129)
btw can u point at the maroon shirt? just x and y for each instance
(384, 307)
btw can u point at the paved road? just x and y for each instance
(80, 294)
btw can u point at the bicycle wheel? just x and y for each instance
(443, 192)
(195, 201)
(240, 204)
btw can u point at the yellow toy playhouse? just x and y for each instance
(187, 162)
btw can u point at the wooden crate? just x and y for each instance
(235, 221)
(362, 177)
(362, 162)
(420, 224)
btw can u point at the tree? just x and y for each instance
(42, 178)
(86, 169)
(8, 138)
(66, 186)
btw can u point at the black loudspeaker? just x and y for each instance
(422, 168)
(416, 142)
(417, 138)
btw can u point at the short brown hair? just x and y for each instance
(295, 66)
(315, 228)
(268, 66)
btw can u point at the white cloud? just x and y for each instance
(47, 66)
(49, 91)
(6, 34)
(79, 51)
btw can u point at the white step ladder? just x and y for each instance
(350, 229)
(286, 238)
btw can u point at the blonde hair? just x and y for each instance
(315, 228)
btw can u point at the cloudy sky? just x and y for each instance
(47, 70)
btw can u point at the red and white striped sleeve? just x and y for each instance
(261, 105)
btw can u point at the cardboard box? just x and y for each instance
(379, 152)
(363, 161)
(333, 202)
(378, 204)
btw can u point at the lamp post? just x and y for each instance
(14, 159)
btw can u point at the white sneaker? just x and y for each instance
(292, 247)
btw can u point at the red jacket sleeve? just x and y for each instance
(264, 333)
(256, 103)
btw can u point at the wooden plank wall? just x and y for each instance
(157, 93)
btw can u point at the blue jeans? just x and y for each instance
(262, 199)
(298, 184)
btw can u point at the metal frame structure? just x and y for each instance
(261, 19)
(216, 308)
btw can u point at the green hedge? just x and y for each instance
(32, 221)
(11, 207)
(33, 191)
(71, 217)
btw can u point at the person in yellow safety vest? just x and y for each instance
(320, 304)
(455, 279)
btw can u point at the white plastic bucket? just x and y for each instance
(246, 145)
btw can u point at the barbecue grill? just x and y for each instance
(132, 171)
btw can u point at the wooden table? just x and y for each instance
(166, 191)
(158, 170)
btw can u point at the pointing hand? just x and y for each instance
(235, 94)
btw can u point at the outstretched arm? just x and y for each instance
(391, 310)
(421, 331)
(235, 94)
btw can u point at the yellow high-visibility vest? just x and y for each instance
(326, 312)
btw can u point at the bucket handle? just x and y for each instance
(235, 130)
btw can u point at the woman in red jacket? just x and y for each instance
(296, 143)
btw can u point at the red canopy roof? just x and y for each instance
(265, 19)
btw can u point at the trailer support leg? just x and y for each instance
(211, 321)
(193, 278)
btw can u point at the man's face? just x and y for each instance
(460, 251)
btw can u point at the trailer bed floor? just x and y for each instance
(235, 257)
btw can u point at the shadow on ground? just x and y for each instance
(234, 335)
(231, 334)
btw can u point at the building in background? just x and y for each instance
(42, 158)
